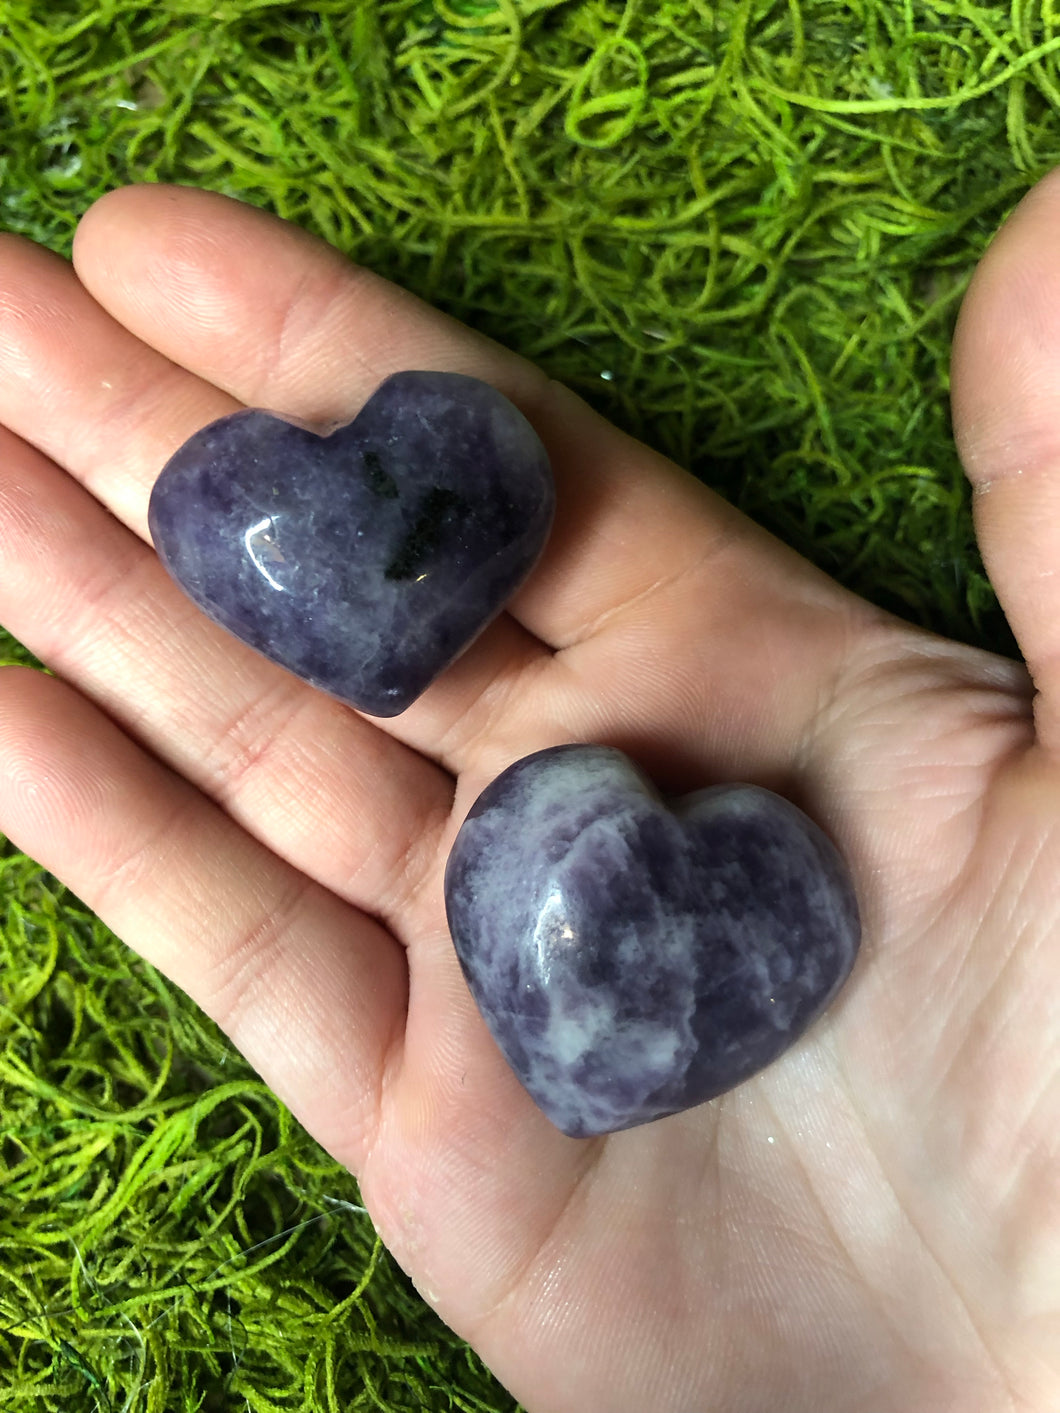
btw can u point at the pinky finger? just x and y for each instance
(310, 990)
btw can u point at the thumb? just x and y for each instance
(1006, 420)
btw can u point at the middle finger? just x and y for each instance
(111, 410)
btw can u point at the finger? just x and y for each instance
(78, 386)
(1006, 418)
(311, 991)
(59, 343)
(278, 319)
(322, 787)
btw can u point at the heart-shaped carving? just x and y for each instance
(634, 958)
(365, 559)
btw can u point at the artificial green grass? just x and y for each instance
(743, 231)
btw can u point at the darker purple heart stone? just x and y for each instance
(633, 958)
(366, 559)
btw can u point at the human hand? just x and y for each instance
(872, 1223)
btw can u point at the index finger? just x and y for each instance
(308, 332)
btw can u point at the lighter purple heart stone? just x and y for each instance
(634, 958)
(367, 559)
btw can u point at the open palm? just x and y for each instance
(871, 1224)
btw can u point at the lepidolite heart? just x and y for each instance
(367, 559)
(633, 958)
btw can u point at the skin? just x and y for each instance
(873, 1224)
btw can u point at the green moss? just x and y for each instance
(742, 230)
(170, 1237)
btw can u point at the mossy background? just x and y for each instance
(743, 231)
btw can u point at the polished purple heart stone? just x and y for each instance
(365, 559)
(631, 957)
